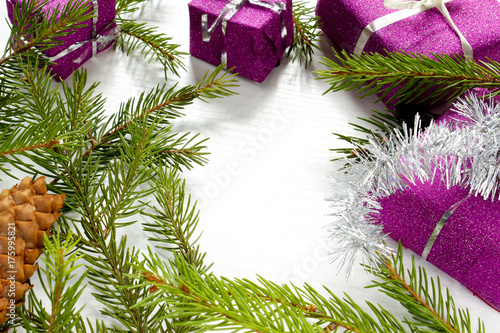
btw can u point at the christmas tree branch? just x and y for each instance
(378, 124)
(245, 305)
(421, 296)
(47, 145)
(208, 302)
(418, 78)
(184, 155)
(120, 190)
(46, 33)
(109, 276)
(162, 102)
(307, 31)
(151, 44)
(413, 293)
(58, 282)
(174, 222)
(127, 6)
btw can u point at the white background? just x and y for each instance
(262, 195)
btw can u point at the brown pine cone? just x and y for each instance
(27, 212)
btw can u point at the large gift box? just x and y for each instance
(465, 27)
(456, 228)
(468, 245)
(96, 35)
(436, 190)
(249, 36)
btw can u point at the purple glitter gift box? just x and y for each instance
(95, 36)
(251, 37)
(467, 247)
(369, 26)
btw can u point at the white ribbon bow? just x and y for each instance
(407, 9)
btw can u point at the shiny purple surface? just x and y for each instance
(253, 39)
(468, 247)
(425, 33)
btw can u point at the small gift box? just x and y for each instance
(425, 27)
(436, 191)
(250, 36)
(96, 35)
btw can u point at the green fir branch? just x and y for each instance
(174, 222)
(378, 124)
(111, 276)
(151, 44)
(35, 121)
(418, 78)
(208, 302)
(430, 306)
(165, 104)
(127, 6)
(307, 30)
(61, 284)
(43, 33)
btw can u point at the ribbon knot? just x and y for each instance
(407, 9)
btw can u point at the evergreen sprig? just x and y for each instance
(208, 302)
(174, 222)
(378, 124)
(128, 6)
(111, 276)
(431, 307)
(306, 33)
(418, 78)
(30, 34)
(62, 284)
(151, 45)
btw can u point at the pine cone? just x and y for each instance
(27, 212)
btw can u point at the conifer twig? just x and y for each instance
(151, 44)
(175, 220)
(421, 296)
(49, 144)
(127, 6)
(206, 302)
(394, 275)
(61, 285)
(309, 310)
(418, 78)
(210, 86)
(48, 31)
(307, 30)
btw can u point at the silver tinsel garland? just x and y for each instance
(464, 151)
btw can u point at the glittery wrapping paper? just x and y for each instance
(252, 41)
(64, 66)
(468, 246)
(425, 33)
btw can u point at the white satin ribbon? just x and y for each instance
(408, 9)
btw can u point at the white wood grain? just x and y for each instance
(263, 192)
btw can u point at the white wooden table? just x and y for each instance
(262, 194)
